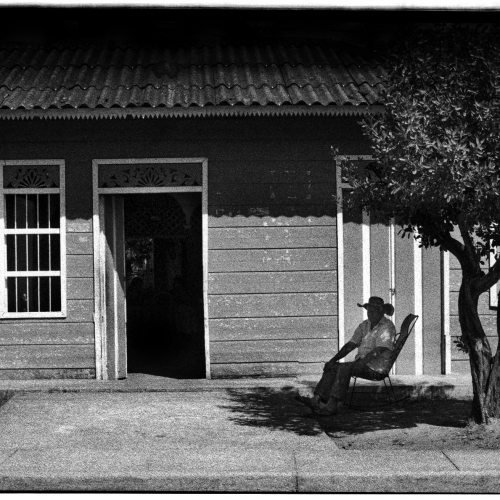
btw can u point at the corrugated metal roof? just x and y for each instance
(123, 77)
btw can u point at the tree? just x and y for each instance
(437, 168)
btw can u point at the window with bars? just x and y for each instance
(33, 224)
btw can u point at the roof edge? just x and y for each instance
(109, 113)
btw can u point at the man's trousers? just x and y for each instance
(335, 380)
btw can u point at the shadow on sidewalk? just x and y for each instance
(272, 408)
(277, 409)
(436, 413)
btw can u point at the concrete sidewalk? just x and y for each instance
(439, 386)
(245, 435)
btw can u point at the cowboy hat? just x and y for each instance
(379, 302)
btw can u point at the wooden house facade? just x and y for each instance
(180, 213)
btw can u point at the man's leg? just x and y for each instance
(322, 390)
(333, 386)
(340, 386)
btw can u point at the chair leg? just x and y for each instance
(392, 389)
(391, 396)
(352, 392)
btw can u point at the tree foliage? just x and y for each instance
(437, 147)
(436, 162)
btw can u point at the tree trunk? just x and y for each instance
(485, 371)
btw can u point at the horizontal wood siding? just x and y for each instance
(271, 237)
(272, 263)
(46, 333)
(269, 305)
(47, 373)
(47, 356)
(273, 282)
(227, 329)
(283, 259)
(272, 233)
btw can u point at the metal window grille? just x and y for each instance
(33, 253)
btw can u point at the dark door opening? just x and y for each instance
(164, 285)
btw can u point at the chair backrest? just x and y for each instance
(402, 336)
(382, 366)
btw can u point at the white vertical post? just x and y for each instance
(116, 323)
(204, 229)
(392, 277)
(62, 237)
(340, 257)
(392, 267)
(97, 274)
(417, 274)
(365, 244)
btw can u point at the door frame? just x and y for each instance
(101, 342)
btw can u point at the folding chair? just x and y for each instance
(382, 376)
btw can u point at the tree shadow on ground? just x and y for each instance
(272, 408)
(278, 410)
(437, 413)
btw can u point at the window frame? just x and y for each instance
(61, 191)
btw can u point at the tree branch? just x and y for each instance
(473, 262)
(488, 280)
(456, 248)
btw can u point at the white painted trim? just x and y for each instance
(165, 189)
(131, 161)
(115, 292)
(97, 276)
(31, 315)
(34, 274)
(204, 229)
(102, 316)
(61, 191)
(28, 163)
(40, 230)
(63, 236)
(99, 250)
(417, 274)
(365, 243)
(340, 259)
(392, 267)
(31, 190)
(392, 279)
(445, 280)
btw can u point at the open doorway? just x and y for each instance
(164, 284)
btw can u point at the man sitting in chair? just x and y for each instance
(374, 338)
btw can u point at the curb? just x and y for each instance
(432, 482)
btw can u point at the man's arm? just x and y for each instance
(375, 353)
(349, 347)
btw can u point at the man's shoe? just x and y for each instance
(307, 402)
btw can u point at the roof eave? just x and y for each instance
(179, 112)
